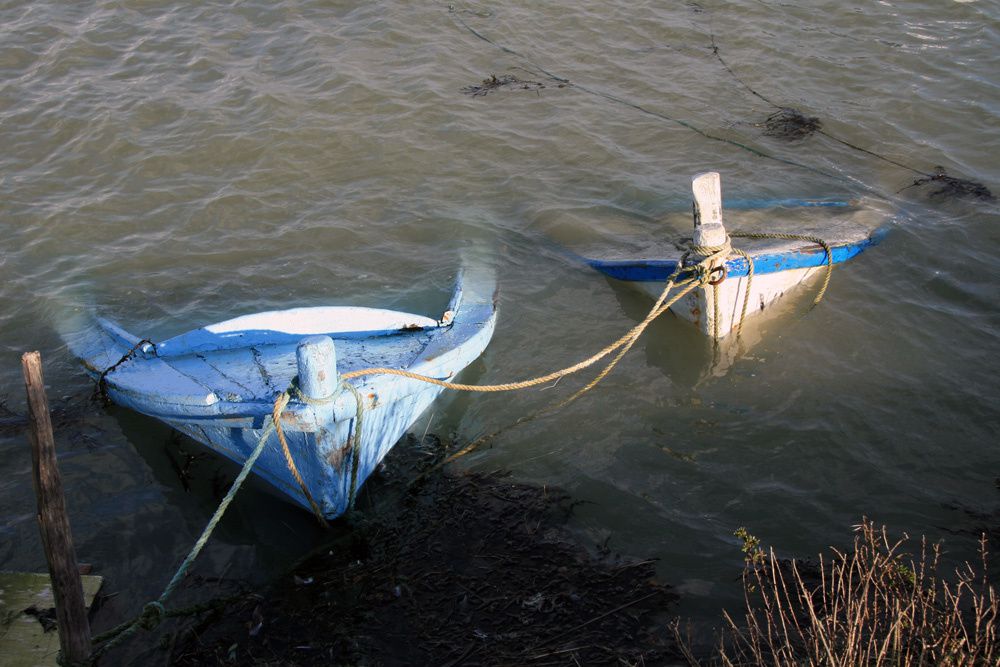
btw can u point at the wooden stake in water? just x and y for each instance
(67, 590)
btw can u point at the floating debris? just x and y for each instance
(791, 124)
(495, 82)
(47, 617)
(73, 417)
(184, 461)
(979, 522)
(949, 187)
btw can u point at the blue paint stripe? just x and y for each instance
(658, 270)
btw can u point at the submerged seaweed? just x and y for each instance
(949, 187)
(791, 124)
(495, 82)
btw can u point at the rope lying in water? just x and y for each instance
(538, 69)
(800, 124)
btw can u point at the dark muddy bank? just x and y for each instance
(456, 568)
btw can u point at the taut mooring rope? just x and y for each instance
(635, 332)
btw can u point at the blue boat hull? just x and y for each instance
(321, 459)
(217, 384)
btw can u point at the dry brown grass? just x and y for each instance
(878, 604)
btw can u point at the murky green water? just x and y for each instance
(178, 164)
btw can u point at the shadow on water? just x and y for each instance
(194, 479)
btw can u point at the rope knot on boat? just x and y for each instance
(711, 260)
(353, 444)
(152, 615)
(295, 391)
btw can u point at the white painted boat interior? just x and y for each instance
(320, 320)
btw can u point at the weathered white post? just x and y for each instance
(710, 232)
(318, 380)
(317, 361)
(708, 228)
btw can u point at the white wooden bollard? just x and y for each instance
(316, 357)
(708, 227)
(317, 362)
(709, 232)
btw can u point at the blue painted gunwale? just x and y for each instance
(658, 270)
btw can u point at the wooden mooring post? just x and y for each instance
(67, 589)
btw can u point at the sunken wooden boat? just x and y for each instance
(647, 257)
(218, 384)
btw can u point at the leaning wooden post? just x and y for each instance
(71, 613)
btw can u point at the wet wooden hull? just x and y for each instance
(217, 384)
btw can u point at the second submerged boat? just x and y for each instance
(780, 238)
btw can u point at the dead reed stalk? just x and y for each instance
(878, 604)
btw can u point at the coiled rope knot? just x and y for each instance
(710, 260)
(707, 251)
(295, 391)
(353, 444)
(152, 615)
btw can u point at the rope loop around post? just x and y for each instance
(152, 615)
(725, 251)
(296, 392)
